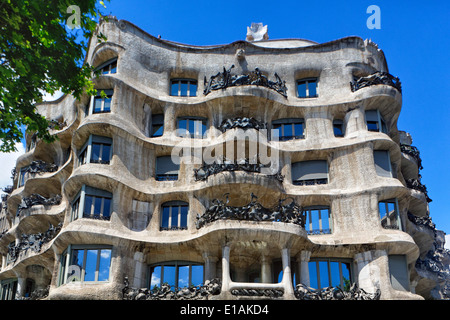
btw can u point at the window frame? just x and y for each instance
(171, 205)
(379, 121)
(289, 122)
(309, 220)
(307, 82)
(79, 203)
(309, 182)
(8, 289)
(178, 82)
(160, 123)
(336, 123)
(177, 264)
(379, 165)
(166, 176)
(185, 133)
(341, 261)
(389, 224)
(67, 256)
(108, 63)
(109, 94)
(85, 154)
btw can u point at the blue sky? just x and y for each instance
(414, 35)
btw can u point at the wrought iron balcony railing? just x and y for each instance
(374, 79)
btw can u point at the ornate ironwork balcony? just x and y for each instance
(33, 242)
(225, 79)
(242, 123)
(36, 199)
(167, 292)
(374, 79)
(413, 152)
(303, 292)
(254, 211)
(421, 221)
(207, 170)
(417, 185)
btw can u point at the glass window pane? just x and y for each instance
(183, 276)
(114, 67)
(182, 127)
(301, 89)
(312, 266)
(183, 216)
(191, 129)
(335, 275)
(106, 208)
(157, 130)
(174, 88)
(165, 217)
(155, 280)
(325, 213)
(105, 262)
(184, 89)
(192, 89)
(323, 270)
(95, 154)
(312, 88)
(298, 129)
(97, 206)
(372, 126)
(88, 200)
(346, 276)
(338, 130)
(169, 275)
(76, 265)
(106, 152)
(91, 265)
(98, 104)
(197, 275)
(107, 105)
(287, 131)
(315, 220)
(175, 212)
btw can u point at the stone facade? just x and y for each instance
(115, 218)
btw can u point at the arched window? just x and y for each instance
(174, 215)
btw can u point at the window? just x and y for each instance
(96, 150)
(288, 129)
(330, 273)
(318, 220)
(398, 269)
(23, 176)
(382, 163)
(101, 103)
(338, 128)
(177, 274)
(311, 172)
(166, 169)
(193, 127)
(85, 263)
(375, 121)
(183, 87)
(307, 88)
(95, 204)
(174, 215)
(9, 289)
(389, 214)
(109, 67)
(157, 125)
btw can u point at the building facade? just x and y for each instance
(261, 168)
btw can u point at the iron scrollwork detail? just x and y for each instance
(202, 173)
(166, 292)
(374, 79)
(254, 211)
(36, 199)
(303, 292)
(225, 79)
(242, 123)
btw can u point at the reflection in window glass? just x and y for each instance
(329, 272)
(91, 265)
(105, 262)
(176, 274)
(183, 88)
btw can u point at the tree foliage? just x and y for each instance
(41, 54)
